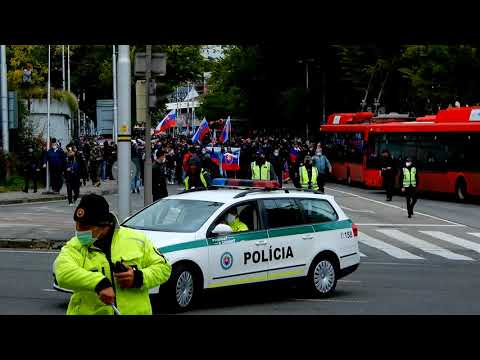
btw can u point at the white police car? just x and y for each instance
(291, 234)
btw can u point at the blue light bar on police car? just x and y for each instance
(260, 184)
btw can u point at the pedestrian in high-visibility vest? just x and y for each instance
(261, 169)
(308, 175)
(409, 187)
(105, 264)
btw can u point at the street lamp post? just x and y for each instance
(63, 67)
(115, 106)
(148, 198)
(4, 97)
(48, 121)
(306, 61)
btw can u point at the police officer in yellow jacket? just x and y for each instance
(197, 177)
(105, 264)
(261, 169)
(409, 187)
(308, 175)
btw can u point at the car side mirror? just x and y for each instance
(222, 229)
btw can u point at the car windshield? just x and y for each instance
(173, 215)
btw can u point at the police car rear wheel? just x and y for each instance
(323, 278)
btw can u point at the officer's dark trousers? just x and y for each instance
(94, 171)
(30, 175)
(321, 181)
(293, 172)
(389, 184)
(411, 196)
(56, 178)
(73, 187)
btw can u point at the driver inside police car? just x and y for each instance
(234, 222)
(105, 265)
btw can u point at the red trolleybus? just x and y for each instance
(443, 146)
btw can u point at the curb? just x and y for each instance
(32, 244)
(52, 198)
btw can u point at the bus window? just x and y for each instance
(354, 146)
(472, 160)
(431, 152)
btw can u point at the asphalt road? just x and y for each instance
(424, 265)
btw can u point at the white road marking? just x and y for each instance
(390, 205)
(411, 225)
(49, 290)
(332, 300)
(17, 224)
(474, 234)
(359, 211)
(424, 245)
(401, 264)
(28, 252)
(349, 281)
(387, 248)
(362, 254)
(454, 240)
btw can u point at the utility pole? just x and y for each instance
(4, 97)
(148, 198)
(115, 105)
(124, 131)
(63, 67)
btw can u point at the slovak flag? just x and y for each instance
(293, 155)
(226, 131)
(202, 130)
(168, 121)
(231, 162)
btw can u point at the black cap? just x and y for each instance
(93, 210)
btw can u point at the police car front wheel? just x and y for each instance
(322, 279)
(181, 290)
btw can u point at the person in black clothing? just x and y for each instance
(278, 163)
(159, 176)
(112, 157)
(388, 173)
(72, 177)
(31, 168)
(83, 164)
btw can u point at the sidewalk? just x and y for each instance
(17, 197)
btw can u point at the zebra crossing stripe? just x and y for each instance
(423, 245)
(454, 240)
(387, 248)
(474, 234)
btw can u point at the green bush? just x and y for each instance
(60, 95)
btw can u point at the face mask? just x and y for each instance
(319, 152)
(276, 153)
(408, 164)
(85, 237)
(230, 218)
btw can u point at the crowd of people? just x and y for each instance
(87, 159)
(176, 160)
(283, 156)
